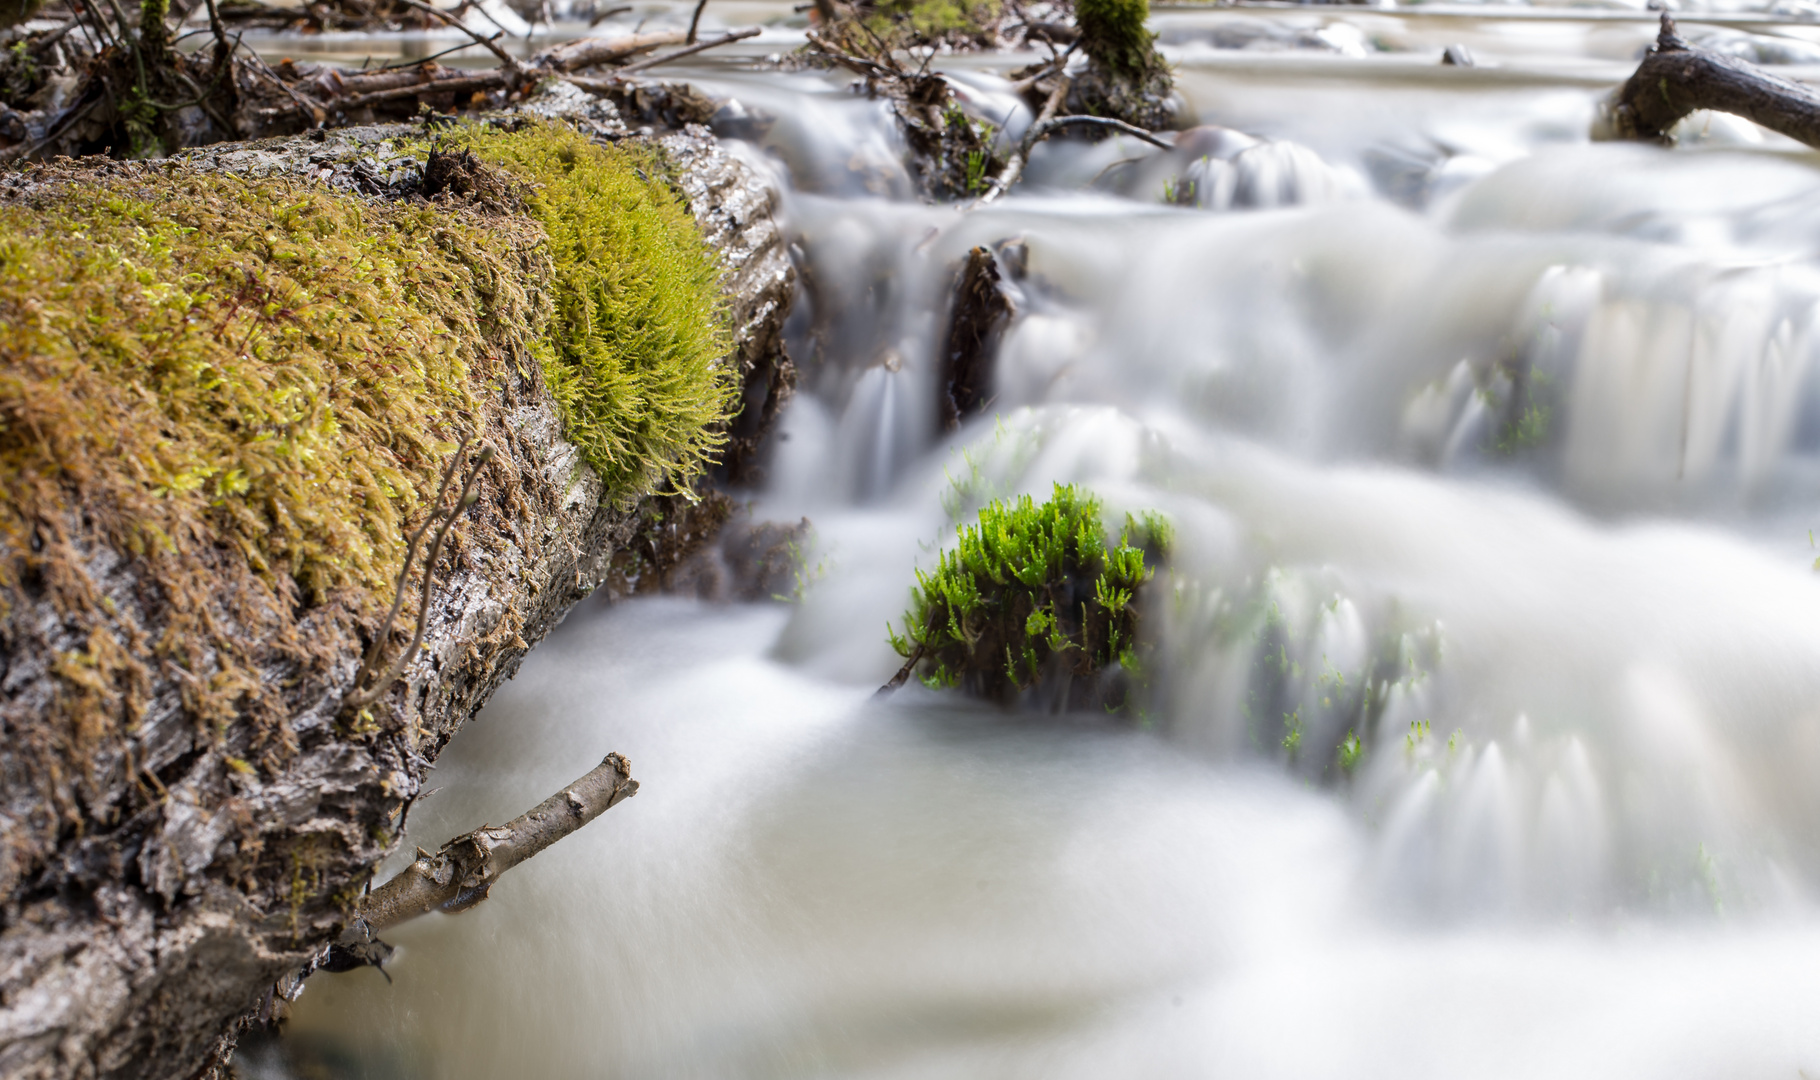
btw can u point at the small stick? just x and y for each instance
(738, 35)
(602, 16)
(1042, 130)
(903, 674)
(459, 876)
(588, 52)
(1015, 166)
(505, 58)
(695, 21)
(489, 81)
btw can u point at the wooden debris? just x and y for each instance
(1677, 78)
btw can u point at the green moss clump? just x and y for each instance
(1032, 596)
(248, 389)
(1115, 37)
(634, 355)
(1126, 78)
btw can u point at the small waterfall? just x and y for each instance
(1486, 702)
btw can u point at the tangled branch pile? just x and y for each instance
(117, 84)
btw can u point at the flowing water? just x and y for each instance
(1487, 445)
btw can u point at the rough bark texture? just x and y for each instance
(1675, 79)
(135, 948)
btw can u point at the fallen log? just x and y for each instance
(1677, 78)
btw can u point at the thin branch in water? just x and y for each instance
(738, 35)
(1042, 130)
(902, 676)
(602, 16)
(695, 21)
(488, 43)
(420, 60)
(1014, 167)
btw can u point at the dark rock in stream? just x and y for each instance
(143, 944)
(981, 312)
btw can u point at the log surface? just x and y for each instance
(1676, 78)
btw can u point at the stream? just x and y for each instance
(1493, 447)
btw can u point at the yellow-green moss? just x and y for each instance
(249, 388)
(279, 367)
(634, 354)
(908, 22)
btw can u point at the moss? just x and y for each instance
(1115, 37)
(1126, 77)
(634, 358)
(1030, 596)
(904, 23)
(242, 387)
(247, 389)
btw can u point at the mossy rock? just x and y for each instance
(1126, 78)
(1033, 604)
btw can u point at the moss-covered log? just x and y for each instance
(234, 381)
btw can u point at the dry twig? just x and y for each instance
(459, 876)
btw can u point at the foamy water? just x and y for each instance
(1490, 447)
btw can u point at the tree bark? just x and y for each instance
(1676, 78)
(135, 947)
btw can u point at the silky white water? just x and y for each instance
(1486, 445)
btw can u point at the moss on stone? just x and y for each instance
(904, 23)
(1126, 77)
(1030, 597)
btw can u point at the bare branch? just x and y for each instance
(1676, 78)
(588, 52)
(601, 16)
(459, 876)
(738, 35)
(488, 43)
(491, 80)
(1041, 131)
(1015, 166)
(695, 21)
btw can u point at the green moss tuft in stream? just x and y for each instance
(1033, 599)
(1126, 78)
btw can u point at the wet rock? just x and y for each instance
(981, 311)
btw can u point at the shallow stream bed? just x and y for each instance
(1516, 434)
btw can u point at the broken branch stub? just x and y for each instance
(1676, 78)
(458, 876)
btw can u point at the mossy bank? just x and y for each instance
(228, 389)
